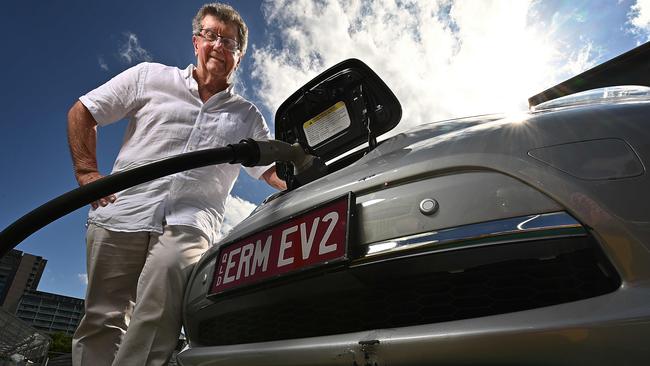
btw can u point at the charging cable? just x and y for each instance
(247, 152)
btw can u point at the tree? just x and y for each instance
(61, 343)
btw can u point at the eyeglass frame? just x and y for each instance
(219, 38)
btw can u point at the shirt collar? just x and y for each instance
(194, 86)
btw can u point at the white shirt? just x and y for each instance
(167, 118)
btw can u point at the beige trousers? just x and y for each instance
(133, 299)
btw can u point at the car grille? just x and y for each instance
(496, 288)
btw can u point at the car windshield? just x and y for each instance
(625, 93)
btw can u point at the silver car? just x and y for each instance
(491, 240)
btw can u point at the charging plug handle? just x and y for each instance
(273, 150)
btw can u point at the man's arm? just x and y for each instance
(271, 177)
(82, 139)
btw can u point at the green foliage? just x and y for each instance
(61, 343)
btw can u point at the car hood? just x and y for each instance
(498, 143)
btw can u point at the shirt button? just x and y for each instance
(191, 149)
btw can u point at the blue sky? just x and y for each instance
(442, 59)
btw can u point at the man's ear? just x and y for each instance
(195, 43)
(238, 61)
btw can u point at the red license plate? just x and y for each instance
(309, 240)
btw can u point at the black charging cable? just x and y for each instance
(247, 152)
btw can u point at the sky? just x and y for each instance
(442, 59)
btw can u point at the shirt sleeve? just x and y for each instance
(118, 97)
(260, 131)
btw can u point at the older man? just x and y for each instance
(142, 242)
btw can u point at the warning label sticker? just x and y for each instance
(327, 124)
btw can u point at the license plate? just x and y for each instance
(309, 240)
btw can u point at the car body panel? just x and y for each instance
(598, 331)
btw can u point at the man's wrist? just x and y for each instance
(85, 177)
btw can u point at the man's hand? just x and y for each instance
(271, 177)
(89, 178)
(82, 138)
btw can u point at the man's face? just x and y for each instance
(213, 57)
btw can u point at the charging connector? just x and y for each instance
(276, 150)
(306, 167)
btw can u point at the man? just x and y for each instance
(142, 242)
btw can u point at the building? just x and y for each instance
(19, 272)
(21, 344)
(8, 267)
(50, 313)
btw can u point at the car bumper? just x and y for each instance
(602, 330)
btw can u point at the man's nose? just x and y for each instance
(217, 44)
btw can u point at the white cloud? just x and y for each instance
(442, 59)
(102, 63)
(131, 51)
(639, 18)
(237, 209)
(83, 278)
(581, 59)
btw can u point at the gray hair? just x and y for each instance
(226, 14)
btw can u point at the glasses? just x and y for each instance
(212, 37)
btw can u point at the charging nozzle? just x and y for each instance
(271, 151)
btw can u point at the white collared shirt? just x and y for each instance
(167, 118)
